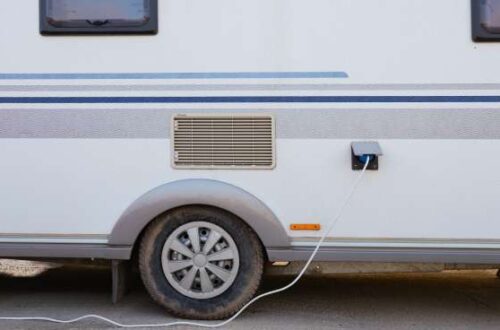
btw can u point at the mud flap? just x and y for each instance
(121, 278)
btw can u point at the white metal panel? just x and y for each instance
(375, 41)
(425, 189)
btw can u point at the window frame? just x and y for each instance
(479, 33)
(150, 27)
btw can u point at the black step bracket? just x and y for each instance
(362, 149)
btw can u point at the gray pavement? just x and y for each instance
(450, 300)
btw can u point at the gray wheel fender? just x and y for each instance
(199, 192)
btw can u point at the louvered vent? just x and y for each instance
(223, 141)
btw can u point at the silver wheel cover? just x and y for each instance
(200, 260)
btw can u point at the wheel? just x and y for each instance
(200, 262)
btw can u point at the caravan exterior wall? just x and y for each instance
(102, 134)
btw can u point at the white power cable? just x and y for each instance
(220, 324)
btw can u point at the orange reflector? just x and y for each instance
(305, 226)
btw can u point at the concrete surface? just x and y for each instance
(450, 300)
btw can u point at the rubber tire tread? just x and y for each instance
(223, 306)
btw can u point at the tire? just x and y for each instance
(212, 298)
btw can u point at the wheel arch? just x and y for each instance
(206, 192)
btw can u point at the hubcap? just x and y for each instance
(200, 260)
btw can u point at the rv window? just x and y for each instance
(98, 16)
(486, 20)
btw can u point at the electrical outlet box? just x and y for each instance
(363, 149)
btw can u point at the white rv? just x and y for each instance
(207, 138)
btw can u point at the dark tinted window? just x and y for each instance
(98, 16)
(490, 15)
(486, 20)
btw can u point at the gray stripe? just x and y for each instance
(175, 75)
(40, 250)
(291, 123)
(407, 240)
(244, 87)
(52, 236)
(427, 255)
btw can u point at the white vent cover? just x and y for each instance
(223, 141)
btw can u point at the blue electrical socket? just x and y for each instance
(360, 151)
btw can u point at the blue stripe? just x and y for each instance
(173, 75)
(258, 99)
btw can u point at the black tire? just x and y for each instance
(244, 287)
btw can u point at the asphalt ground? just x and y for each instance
(448, 300)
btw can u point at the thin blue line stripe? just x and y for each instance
(173, 75)
(256, 99)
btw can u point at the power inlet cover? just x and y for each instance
(362, 149)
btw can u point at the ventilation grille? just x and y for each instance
(223, 141)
